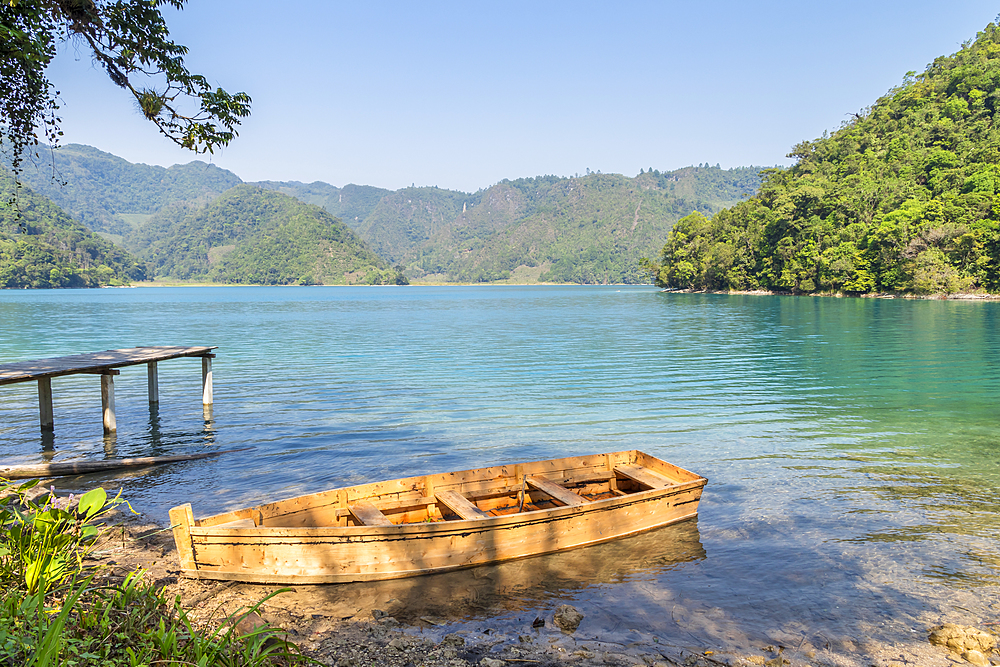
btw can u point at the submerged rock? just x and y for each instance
(453, 639)
(568, 618)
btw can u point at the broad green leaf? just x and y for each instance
(92, 502)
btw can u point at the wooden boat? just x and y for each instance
(434, 523)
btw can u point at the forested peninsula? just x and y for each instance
(902, 198)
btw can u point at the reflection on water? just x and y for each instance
(514, 586)
(852, 446)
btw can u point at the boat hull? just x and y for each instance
(315, 554)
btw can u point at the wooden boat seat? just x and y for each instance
(644, 476)
(368, 514)
(460, 505)
(559, 493)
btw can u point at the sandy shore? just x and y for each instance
(353, 631)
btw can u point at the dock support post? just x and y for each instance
(108, 402)
(206, 379)
(152, 381)
(45, 404)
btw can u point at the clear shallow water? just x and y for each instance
(852, 446)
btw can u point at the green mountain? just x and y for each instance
(592, 229)
(586, 230)
(351, 203)
(257, 236)
(408, 218)
(112, 195)
(903, 197)
(41, 246)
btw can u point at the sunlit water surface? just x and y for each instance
(851, 445)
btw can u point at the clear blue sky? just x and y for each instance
(464, 94)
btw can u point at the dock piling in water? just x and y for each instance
(45, 404)
(153, 382)
(108, 402)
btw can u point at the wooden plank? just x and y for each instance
(369, 515)
(670, 471)
(45, 417)
(95, 362)
(181, 520)
(430, 506)
(238, 523)
(560, 494)
(644, 476)
(460, 505)
(83, 467)
(409, 492)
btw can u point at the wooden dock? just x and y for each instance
(104, 364)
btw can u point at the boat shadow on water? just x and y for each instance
(513, 587)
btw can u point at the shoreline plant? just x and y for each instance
(58, 609)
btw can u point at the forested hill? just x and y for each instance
(257, 236)
(589, 229)
(903, 197)
(351, 203)
(593, 228)
(41, 246)
(112, 195)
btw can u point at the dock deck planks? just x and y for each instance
(96, 362)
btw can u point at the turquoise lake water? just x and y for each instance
(852, 446)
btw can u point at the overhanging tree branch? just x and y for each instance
(131, 42)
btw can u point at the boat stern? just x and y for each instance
(181, 521)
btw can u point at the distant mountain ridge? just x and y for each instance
(593, 228)
(589, 229)
(101, 190)
(351, 203)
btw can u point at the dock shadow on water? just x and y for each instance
(504, 592)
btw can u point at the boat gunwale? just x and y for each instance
(329, 498)
(455, 525)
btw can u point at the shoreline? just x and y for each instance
(966, 296)
(337, 627)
